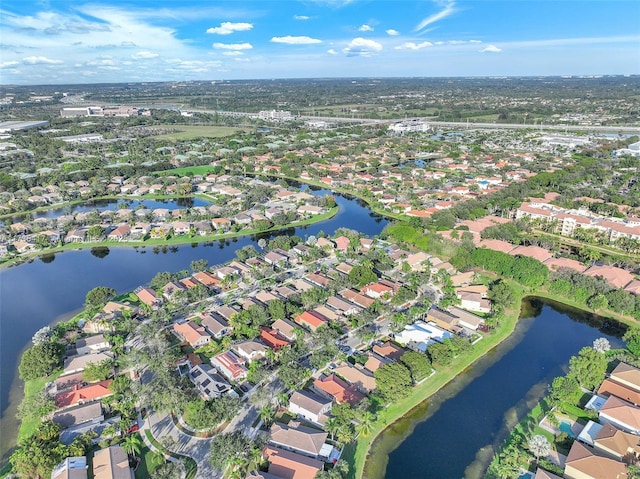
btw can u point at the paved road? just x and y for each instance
(197, 448)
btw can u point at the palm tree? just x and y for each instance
(332, 426)
(366, 422)
(283, 399)
(539, 446)
(132, 444)
(266, 414)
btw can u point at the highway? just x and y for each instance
(623, 129)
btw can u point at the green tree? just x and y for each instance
(393, 381)
(229, 446)
(132, 444)
(199, 265)
(292, 375)
(99, 295)
(40, 360)
(632, 338)
(565, 389)
(361, 275)
(36, 406)
(98, 371)
(418, 364)
(588, 367)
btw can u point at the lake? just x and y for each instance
(52, 288)
(455, 432)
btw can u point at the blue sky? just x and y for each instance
(113, 41)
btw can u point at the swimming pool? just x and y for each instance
(566, 427)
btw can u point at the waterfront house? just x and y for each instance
(420, 335)
(92, 344)
(301, 439)
(80, 414)
(121, 233)
(610, 387)
(340, 391)
(616, 444)
(626, 375)
(466, 319)
(148, 297)
(290, 465)
(389, 350)
(356, 375)
(171, 288)
(310, 406)
(78, 363)
(583, 463)
(82, 394)
(621, 414)
(112, 463)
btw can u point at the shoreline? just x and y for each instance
(174, 241)
(359, 453)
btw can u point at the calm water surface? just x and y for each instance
(454, 433)
(48, 289)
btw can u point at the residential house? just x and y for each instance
(310, 406)
(609, 387)
(420, 335)
(443, 319)
(301, 439)
(92, 344)
(342, 306)
(216, 324)
(207, 279)
(272, 338)
(311, 320)
(195, 335)
(466, 319)
(208, 382)
(112, 463)
(82, 394)
(317, 279)
(621, 414)
(227, 312)
(616, 444)
(375, 361)
(276, 259)
(71, 468)
(340, 391)
(378, 290)
(285, 328)
(76, 236)
(357, 375)
(290, 465)
(357, 298)
(80, 414)
(74, 364)
(250, 350)
(473, 301)
(583, 463)
(171, 288)
(229, 365)
(148, 297)
(389, 350)
(121, 233)
(626, 375)
(617, 277)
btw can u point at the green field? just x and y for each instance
(195, 170)
(188, 132)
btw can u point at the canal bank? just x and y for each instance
(452, 423)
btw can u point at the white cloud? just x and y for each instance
(491, 49)
(233, 53)
(302, 40)
(39, 60)
(362, 47)
(301, 17)
(449, 8)
(226, 28)
(331, 51)
(392, 32)
(475, 41)
(365, 28)
(8, 64)
(414, 46)
(233, 46)
(242, 59)
(144, 55)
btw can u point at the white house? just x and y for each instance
(421, 335)
(310, 406)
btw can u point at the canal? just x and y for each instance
(49, 289)
(455, 433)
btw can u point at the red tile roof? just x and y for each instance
(340, 390)
(83, 394)
(311, 319)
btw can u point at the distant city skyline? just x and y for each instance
(60, 41)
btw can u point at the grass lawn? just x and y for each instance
(6, 470)
(149, 462)
(356, 453)
(31, 388)
(196, 170)
(187, 132)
